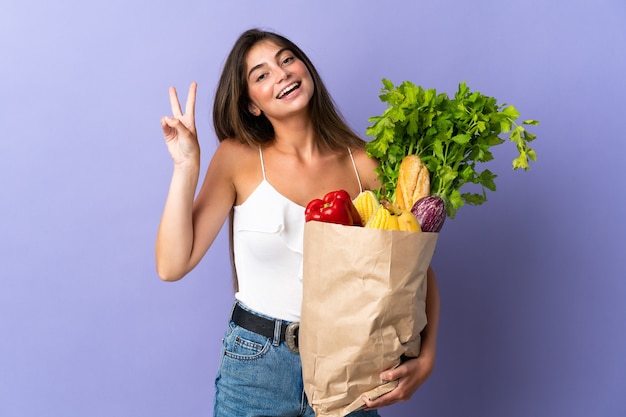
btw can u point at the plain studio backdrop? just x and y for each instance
(533, 282)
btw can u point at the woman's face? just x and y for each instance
(279, 84)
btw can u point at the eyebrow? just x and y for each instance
(256, 67)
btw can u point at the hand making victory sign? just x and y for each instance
(180, 130)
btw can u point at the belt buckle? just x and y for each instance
(291, 337)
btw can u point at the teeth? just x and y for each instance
(288, 89)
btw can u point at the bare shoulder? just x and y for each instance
(240, 163)
(232, 148)
(367, 169)
(231, 156)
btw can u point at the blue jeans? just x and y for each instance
(260, 377)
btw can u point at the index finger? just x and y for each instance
(174, 103)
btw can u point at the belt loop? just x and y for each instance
(278, 325)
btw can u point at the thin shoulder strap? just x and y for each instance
(262, 164)
(356, 171)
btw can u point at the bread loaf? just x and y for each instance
(413, 182)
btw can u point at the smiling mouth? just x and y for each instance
(287, 90)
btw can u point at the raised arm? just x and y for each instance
(188, 228)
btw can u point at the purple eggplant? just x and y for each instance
(430, 212)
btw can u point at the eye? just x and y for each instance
(261, 77)
(288, 59)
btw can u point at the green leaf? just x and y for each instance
(454, 201)
(461, 139)
(468, 173)
(521, 161)
(487, 179)
(388, 85)
(474, 199)
(505, 125)
(447, 174)
(511, 112)
(463, 90)
(516, 135)
(528, 137)
(438, 149)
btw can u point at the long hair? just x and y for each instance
(231, 115)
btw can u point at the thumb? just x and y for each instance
(170, 121)
(167, 127)
(174, 124)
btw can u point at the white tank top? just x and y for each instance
(268, 231)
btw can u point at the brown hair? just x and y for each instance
(232, 119)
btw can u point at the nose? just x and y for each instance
(282, 74)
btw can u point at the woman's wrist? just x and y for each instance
(190, 164)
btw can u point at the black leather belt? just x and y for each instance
(265, 327)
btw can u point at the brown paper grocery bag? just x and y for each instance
(364, 296)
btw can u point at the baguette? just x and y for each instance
(413, 182)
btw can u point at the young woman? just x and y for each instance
(282, 144)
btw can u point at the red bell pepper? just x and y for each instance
(345, 197)
(335, 207)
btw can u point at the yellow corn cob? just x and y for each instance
(366, 204)
(383, 219)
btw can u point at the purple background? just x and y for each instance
(532, 282)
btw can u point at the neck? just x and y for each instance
(295, 136)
